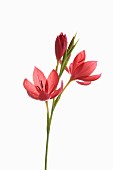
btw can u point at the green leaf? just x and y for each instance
(67, 55)
(72, 48)
(72, 41)
(63, 62)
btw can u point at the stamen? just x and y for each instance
(46, 87)
(41, 84)
(38, 88)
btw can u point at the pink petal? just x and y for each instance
(71, 68)
(84, 82)
(91, 78)
(57, 92)
(85, 69)
(43, 96)
(52, 81)
(79, 59)
(39, 78)
(30, 87)
(32, 95)
(58, 48)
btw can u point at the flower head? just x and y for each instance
(43, 89)
(81, 70)
(60, 46)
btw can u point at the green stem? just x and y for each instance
(47, 140)
(54, 105)
(57, 65)
(49, 120)
(66, 85)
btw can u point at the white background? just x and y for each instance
(82, 129)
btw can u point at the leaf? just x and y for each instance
(67, 55)
(72, 42)
(69, 51)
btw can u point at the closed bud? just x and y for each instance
(60, 46)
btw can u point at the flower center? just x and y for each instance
(39, 89)
(41, 84)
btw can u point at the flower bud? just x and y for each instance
(60, 46)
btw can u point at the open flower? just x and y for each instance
(43, 89)
(60, 46)
(81, 70)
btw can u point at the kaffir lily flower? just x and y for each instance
(43, 89)
(81, 70)
(60, 46)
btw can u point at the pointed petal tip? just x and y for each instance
(35, 68)
(84, 82)
(91, 78)
(83, 51)
(97, 76)
(25, 82)
(39, 78)
(54, 71)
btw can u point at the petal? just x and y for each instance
(30, 87)
(57, 92)
(91, 78)
(52, 81)
(39, 78)
(60, 45)
(84, 82)
(43, 96)
(79, 59)
(85, 69)
(71, 68)
(58, 48)
(32, 95)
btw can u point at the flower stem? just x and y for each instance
(57, 65)
(47, 140)
(66, 85)
(46, 153)
(49, 120)
(54, 102)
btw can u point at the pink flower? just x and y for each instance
(81, 70)
(60, 46)
(43, 89)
